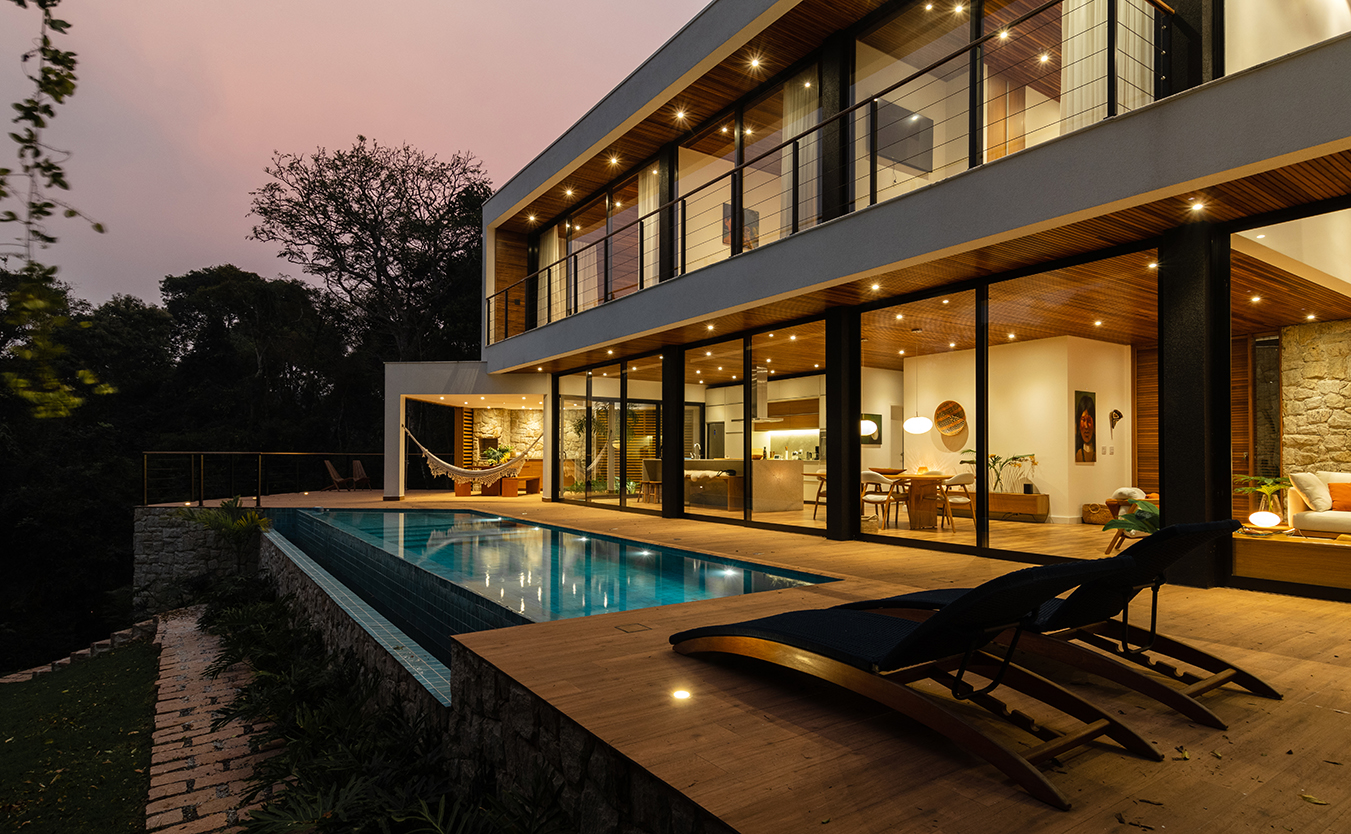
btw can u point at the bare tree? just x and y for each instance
(393, 233)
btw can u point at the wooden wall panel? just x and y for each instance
(1241, 416)
(1147, 419)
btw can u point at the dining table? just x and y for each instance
(921, 496)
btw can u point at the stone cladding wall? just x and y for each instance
(498, 733)
(517, 429)
(1316, 397)
(170, 553)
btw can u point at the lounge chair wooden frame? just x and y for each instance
(861, 652)
(1121, 646)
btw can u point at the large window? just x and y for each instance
(788, 388)
(781, 184)
(705, 213)
(1290, 374)
(1260, 30)
(916, 427)
(715, 478)
(1073, 402)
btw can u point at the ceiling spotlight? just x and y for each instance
(680, 114)
(1004, 35)
(610, 352)
(708, 353)
(1154, 265)
(1259, 237)
(531, 218)
(952, 344)
(1045, 57)
(877, 286)
(1011, 336)
(902, 353)
(1256, 298)
(567, 192)
(945, 301)
(1310, 317)
(792, 338)
(899, 316)
(1097, 324)
(755, 63)
(1198, 206)
(614, 160)
(710, 327)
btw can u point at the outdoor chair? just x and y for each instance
(339, 482)
(1087, 617)
(877, 656)
(359, 477)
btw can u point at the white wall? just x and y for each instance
(880, 390)
(1032, 386)
(1259, 30)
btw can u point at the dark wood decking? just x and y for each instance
(772, 752)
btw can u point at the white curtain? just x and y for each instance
(801, 106)
(1135, 54)
(552, 290)
(1083, 69)
(649, 200)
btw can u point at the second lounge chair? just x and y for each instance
(877, 655)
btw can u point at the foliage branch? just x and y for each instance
(36, 305)
(997, 466)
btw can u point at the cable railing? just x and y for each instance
(1054, 69)
(194, 477)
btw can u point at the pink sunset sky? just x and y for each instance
(180, 105)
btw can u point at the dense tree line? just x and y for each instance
(227, 361)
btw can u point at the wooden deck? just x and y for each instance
(770, 752)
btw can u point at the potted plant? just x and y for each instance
(1144, 519)
(497, 455)
(1268, 488)
(997, 465)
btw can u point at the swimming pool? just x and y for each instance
(545, 573)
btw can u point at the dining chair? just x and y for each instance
(948, 495)
(879, 491)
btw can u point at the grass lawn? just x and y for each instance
(75, 745)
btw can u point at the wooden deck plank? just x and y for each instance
(770, 752)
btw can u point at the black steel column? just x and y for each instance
(1194, 416)
(1195, 45)
(673, 433)
(844, 459)
(836, 69)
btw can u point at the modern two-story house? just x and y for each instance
(1062, 248)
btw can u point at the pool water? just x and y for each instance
(549, 573)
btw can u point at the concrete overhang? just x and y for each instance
(1276, 114)
(723, 26)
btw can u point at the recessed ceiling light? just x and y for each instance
(771, 372)
(1045, 57)
(902, 353)
(877, 286)
(792, 338)
(614, 160)
(1097, 324)
(539, 369)
(1256, 298)
(816, 365)
(755, 63)
(610, 352)
(720, 367)
(945, 301)
(1198, 206)
(1310, 317)
(1259, 237)
(952, 344)
(710, 327)
(1004, 35)
(1154, 265)
(680, 114)
(899, 316)
(531, 218)
(733, 375)
(708, 353)
(957, 8)
(1011, 336)
(567, 192)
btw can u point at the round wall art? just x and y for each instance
(950, 418)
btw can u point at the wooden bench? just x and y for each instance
(511, 487)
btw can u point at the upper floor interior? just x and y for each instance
(763, 120)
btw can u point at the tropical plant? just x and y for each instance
(1268, 488)
(497, 454)
(1145, 519)
(997, 466)
(234, 525)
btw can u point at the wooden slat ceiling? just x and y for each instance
(1080, 291)
(787, 41)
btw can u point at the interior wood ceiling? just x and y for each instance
(787, 41)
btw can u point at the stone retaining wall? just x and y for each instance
(498, 733)
(169, 553)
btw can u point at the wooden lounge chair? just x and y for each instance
(1064, 629)
(359, 476)
(339, 482)
(878, 655)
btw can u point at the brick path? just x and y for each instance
(196, 776)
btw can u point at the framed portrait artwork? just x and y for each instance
(1085, 427)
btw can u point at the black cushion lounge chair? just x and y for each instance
(877, 655)
(1088, 615)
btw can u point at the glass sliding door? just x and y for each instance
(572, 431)
(643, 437)
(704, 216)
(715, 478)
(1073, 402)
(917, 429)
(787, 411)
(780, 184)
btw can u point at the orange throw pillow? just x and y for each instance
(1341, 496)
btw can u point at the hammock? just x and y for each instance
(482, 477)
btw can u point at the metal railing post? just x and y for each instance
(683, 264)
(797, 185)
(258, 497)
(872, 152)
(1111, 57)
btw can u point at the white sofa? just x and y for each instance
(1306, 519)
